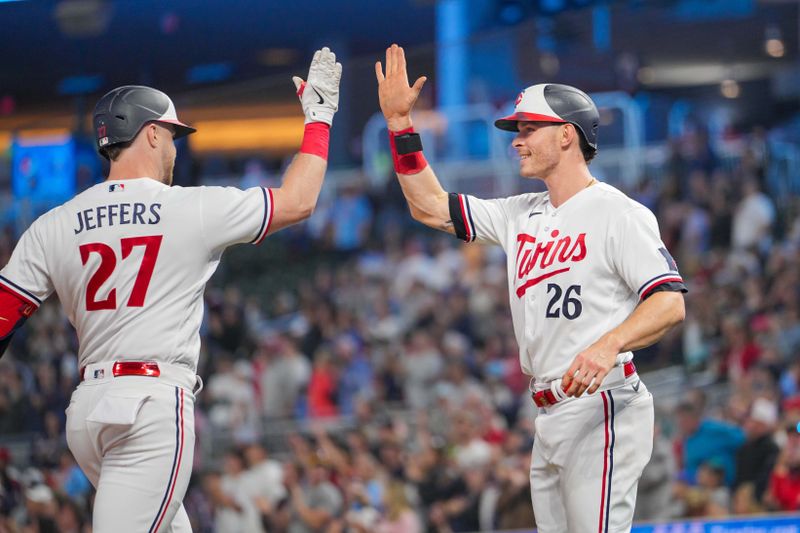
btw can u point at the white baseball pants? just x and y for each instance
(588, 455)
(133, 437)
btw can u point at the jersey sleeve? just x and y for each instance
(26, 275)
(640, 256)
(479, 220)
(233, 216)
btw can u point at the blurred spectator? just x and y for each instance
(234, 505)
(47, 447)
(285, 377)
(10, 488)
(323, 387)
(262, 482)
(350, 218)
(702, 440)
(740, 352)
(422, 365)
(655, 490)
(399, 517)
(745, 502)
(355, 377)
(41, 508)
(70, 479)
(470, 510)
(513, 506)
(711, 480)
(757, 456)
(784, 485)
(753, 218)
(231, 393)
(470, 451)
(313, 500)
(70, 517)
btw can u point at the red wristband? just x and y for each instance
(412, 163)
(316, 139)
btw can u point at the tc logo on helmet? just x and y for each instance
(101, 135)
(519, 98)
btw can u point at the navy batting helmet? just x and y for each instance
(553, 102)
(121, 114)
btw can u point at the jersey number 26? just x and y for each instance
(108, 262)
(570, 308)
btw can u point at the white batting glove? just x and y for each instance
(319, 95)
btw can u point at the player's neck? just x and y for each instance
(563, 184)
(127, 170)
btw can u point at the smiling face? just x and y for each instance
(538, 145)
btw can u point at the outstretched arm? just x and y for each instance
(427, 200)
(296, 198)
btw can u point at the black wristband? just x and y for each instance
(408, 143)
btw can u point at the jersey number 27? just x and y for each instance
(108, 262)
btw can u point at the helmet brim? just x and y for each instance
(181, 129)
(510, 122)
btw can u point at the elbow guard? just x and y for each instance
(14, 311)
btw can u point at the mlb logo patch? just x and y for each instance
(116, 187)
(100, 373)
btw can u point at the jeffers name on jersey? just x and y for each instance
(121, 213)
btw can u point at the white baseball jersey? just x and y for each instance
(574, 272)
(129, 260)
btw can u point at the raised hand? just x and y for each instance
(396, 97)
(319, 95)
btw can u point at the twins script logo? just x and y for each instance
(540, 256)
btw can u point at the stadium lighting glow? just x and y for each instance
(773, 41)
(774, 47)
(729, 89)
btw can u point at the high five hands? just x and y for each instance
(396, 97)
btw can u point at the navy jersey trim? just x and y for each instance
(651, 280)
(667, 286)
(461, 216)
(264, 218)
(469, 216)
(24, 292)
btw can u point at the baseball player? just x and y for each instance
(589, 281)
(129, 259)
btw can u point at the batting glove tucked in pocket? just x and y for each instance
(319, 95)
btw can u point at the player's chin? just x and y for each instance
(527, 172)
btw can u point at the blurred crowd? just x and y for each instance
(383, 393)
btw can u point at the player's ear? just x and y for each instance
(568, 135)
(151, 131)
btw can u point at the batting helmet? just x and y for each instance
(121, 114)
(553, 102)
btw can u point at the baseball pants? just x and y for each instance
(588, 455)
(133, 437)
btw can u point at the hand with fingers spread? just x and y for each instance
(319, 94)
(396, 97)
(590, 367)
